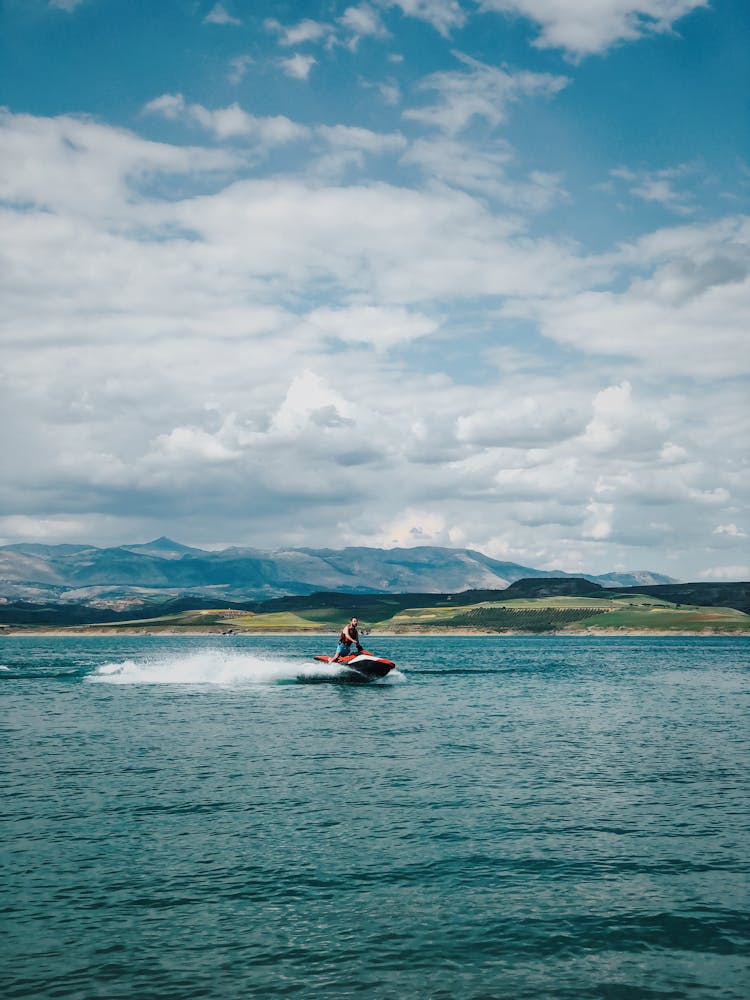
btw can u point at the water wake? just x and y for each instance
(213, 666)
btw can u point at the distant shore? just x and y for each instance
(414, 633)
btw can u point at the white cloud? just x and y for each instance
(228, 123)
(479, 91)
(355, 23)
(412, 526)
(730, 530)
(727, 573)
(585, 27)
(484, 170)
(598, 521)
(684, 307)
(230, 350)
(309, 395)
(673, 453)
(379, 327)
(390, 91)
(658, 187)
(219, 15)
(619, 423)
(376, 240)
(523, 422)
(190, 445)
(348, 137)
(40, 529)
(300, 33)
(89, 168)
(444, 15)
(238, 67)
(362, 21)
(298, 66)
(347, 147)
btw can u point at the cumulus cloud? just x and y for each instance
(49, 530)
(298, 66)
(220, 15)
(236, 350)
(584, 28)
(83, 165)
(192, 445)
(598, 521)
(346, 147)
(726, 573)
(348, 137)
(307, 397)
(389, 243)
(228, 123)
(686, 314)
(486, 171)
(730, 530)
(525, 422)
(618, 422)
(362, 21)
(444, 15)
(300, 33)
(375, 326)
(355, 23)
(413, 526)
(479, 91)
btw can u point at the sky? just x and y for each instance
(472, 273)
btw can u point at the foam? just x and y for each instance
(212, 666)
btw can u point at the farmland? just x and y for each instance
(422, 613)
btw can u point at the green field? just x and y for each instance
(664, 618)
(327, 613)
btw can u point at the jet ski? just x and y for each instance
(367, 664)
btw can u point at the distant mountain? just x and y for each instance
(166, 570)
(634, 579)
(164, 548)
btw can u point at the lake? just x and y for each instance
(505, 817)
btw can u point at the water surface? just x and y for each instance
(507, 817)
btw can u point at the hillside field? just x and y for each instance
(414, 614)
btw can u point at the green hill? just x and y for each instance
(475, 611)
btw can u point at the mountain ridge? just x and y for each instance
(163, 569)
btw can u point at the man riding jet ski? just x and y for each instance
(361, 661)
(349, 636)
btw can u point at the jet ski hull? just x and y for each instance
(372, 667)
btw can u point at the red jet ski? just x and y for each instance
(367, 664)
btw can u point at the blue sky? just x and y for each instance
(389, 273)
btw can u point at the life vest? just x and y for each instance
(344, 639)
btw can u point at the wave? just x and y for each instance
(221, 667)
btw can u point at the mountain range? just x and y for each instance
(163, 569)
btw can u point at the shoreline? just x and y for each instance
(188, 632)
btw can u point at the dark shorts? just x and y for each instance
(343, 649)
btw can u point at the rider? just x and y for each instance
(349, 635)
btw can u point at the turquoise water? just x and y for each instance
(506, 818)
